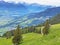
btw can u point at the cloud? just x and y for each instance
(42, 2)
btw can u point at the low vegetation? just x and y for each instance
(53, 38)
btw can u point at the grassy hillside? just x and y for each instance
(53, 38)
(55, 19)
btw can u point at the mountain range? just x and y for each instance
(24, 14)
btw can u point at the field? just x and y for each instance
(53, 38)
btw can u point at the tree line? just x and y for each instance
(17, 33)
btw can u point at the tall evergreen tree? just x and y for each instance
(17, 36)
(39, 30)
(46, 27)
(8, 35)
(31, 29)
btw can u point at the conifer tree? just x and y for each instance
(46, 27)
(17, 36)
(8, 34)
(40, 30)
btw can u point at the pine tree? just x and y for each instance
(32, 29)
(46, 27)
(17, 36)
(39, 30)
(36, 30)
(8, 35)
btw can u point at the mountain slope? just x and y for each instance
(48, 12)
(40, 17)
(55, 19)
(32, 18)
(10, 12)
(53, 38)
(20, 8)
(26, 15)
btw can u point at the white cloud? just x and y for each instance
(43, 2)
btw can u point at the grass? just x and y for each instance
(53, 38)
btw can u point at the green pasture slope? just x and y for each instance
(53, 38)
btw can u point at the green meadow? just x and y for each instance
(53, 38)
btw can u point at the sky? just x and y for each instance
(41, 2)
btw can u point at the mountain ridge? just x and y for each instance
(24, 15)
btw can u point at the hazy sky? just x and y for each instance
(43, 2)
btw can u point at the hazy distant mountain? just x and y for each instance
(11, 11)
(48, 12)
(20, 8)
(40, 17)
(32, 18)
(24, 14)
